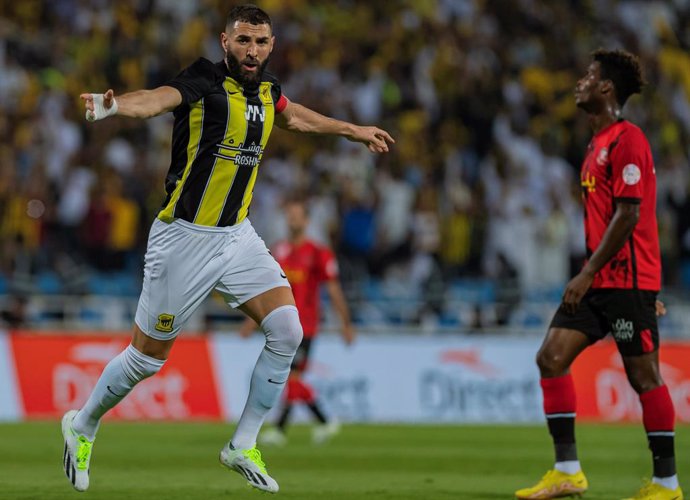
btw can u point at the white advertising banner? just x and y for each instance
(403, 379)
(379, 379)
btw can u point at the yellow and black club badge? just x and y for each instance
(165, 323)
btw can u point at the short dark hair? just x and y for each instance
(623, 69)
(297, 198)
(248, 13)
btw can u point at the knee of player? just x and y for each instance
(642, 381)
(138, 365)
(551, 363)
(283, 331)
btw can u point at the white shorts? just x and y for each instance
(184, 262)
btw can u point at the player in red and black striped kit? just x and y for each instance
(616, 290)
(307, 265)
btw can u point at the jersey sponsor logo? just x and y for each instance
(253, 112)
(602, 157)
(242, 160)
(623, 330)
(165, 323)
(245, 156)
(589, 182)
(631, 174)
(252, 149)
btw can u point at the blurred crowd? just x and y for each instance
(483, 179)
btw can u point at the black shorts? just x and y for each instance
(299, 362)
(629, 315)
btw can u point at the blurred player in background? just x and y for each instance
(617, 288)
(307, 265)
(202, 239)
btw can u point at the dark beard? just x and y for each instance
(247, 81)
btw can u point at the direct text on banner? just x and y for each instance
(57, 373)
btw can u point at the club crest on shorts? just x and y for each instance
(165, 322)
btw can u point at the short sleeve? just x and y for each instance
(630, 162)
(279, 100)
(328, 265)
(197, 80)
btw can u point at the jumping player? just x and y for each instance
(617, 287)
(202, 239)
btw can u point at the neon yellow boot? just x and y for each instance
(555, 484)
(653, 491)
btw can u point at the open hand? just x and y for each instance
(374, 138)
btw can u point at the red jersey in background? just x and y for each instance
(306, 265)
(619, 167)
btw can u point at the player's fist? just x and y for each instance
(99, 106)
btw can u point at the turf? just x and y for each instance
(179, 461)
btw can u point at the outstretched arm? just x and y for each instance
(138, 104)
(298, 118)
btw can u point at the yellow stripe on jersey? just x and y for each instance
(247, 198)
(267, 100)
(196, 129)
(224, 169)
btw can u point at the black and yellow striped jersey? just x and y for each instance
(219, 136)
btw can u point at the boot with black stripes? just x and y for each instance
(248, 464)
(76, 454)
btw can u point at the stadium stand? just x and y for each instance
(488, 148)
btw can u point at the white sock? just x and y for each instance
(568, 466)
(283, 335)
(670, 482)
(119, 377)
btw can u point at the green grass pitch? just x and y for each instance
(179, 461)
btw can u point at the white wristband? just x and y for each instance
(99, 111)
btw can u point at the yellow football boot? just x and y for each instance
(555, 484)
(653, 491)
